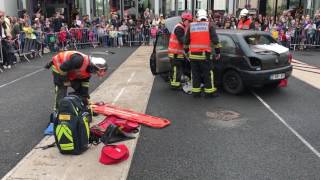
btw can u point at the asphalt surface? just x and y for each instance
(231, 137)
(309, 56)
(26, 101)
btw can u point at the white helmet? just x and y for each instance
(244, 12)
(99, 63)
(202, 14)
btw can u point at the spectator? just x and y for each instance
(57, 22)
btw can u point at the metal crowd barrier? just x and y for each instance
(302, 39)
(83, 36)
(1, 54)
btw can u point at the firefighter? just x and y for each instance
(245, 22)
(74, 69)
(199, 37)
(176, 50)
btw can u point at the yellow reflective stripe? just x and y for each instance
(55, 98)
(85, 121)
(85, 84)
(54, 69)
(180, 56)
(212, 79)
(213, 89)
(171, 55)
(63, 130)
(66, 147)
(217, 45)
(200, 57)
(196, 90)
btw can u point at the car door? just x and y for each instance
(162, 59)
(229, 55)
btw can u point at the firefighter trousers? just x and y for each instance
(177, 66)
(80, 87)
(202, 72)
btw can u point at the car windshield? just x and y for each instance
(259, 39)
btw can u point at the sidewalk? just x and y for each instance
(129, 87)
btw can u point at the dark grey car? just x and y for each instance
(248, 58)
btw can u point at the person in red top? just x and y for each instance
(73, 68)
(200, 35)
(176, 50)
(245, 22)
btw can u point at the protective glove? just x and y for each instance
(48, 65)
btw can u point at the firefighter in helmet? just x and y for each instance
(73, 68)
(176, 50)
(200, 35)
(245, 22)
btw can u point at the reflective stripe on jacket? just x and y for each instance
(175, 47)
(200, 37)
(80, 73)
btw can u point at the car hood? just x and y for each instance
(171, 22)
(274, 47)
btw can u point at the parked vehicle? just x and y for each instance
(248, 58)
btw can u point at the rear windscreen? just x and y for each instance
(259, 39)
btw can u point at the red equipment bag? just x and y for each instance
(113, 154)
(151, 121)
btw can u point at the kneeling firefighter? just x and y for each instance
(73, 68)
(199, 37)
(176, 50)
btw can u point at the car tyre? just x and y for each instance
(153, 64)
(232, 82)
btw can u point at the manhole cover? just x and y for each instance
(223, 115)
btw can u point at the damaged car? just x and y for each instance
(248, 59)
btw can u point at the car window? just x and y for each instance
(227, 44)
(259, 39)
(162, 41)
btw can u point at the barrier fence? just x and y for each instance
(303, 39)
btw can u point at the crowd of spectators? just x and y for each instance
(284, 28)
(51, 33)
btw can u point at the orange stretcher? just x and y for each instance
(151, 121)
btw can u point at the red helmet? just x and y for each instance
(186, 16)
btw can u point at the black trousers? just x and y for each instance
(202, 72)
(80, 87)
(177, 68)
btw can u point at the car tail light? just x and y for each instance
(289, 58)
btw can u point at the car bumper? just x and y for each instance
(259, 78)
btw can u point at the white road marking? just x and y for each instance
(118, 96)
(122, 89)
(131, 77)
(20, 78)
(305, 142)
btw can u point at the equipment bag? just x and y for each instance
(71, 126)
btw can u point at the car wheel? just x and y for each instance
(153, 64)
(232, 82)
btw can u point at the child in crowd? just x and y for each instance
(153, 33)
(62, 37)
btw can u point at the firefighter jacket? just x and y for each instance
(72, 68)
(199, 38)
(176, 47)
(245, 24)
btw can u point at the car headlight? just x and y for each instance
(255, 63)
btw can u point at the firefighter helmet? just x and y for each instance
(202, 14)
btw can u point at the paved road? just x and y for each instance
(26, 100)
(231, 137)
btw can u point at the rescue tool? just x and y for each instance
(151, 121)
